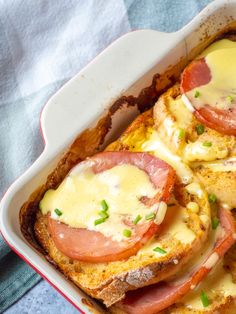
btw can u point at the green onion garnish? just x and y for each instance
(215, 223)
(150, 216)
(207, 144)
(159, 250)
(200, 129)
(58, 212)
(181, 134)
(99, 221)
(230, 98)
(137, 219)
(104, 205)
(204, 299)
(103, 214)
(127, 233)
(197, 94)
(212, 198)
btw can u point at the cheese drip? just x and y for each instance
(178, 229)
(225, 165)
(217, 282)
(155, 145)
(220, 92)
(79, 198)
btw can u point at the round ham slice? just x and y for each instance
(92, 246)
(196, 74)
(153, 299)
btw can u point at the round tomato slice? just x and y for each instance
(93, 246)
(155, 298)
(197, 74)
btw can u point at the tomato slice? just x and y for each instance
(92, 246)
(196, 74)
(153, 299)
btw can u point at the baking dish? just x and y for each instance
(138, 56)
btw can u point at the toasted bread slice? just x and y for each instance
(171, 115)
(114, 279)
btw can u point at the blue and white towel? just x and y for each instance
(42, 45)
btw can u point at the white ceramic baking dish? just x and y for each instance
(124, 68)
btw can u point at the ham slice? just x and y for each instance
(196, 74)
(155, 298)
(92, 246)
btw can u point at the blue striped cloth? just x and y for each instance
(43, 44)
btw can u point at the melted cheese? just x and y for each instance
(212, 260)
(197, 151)
(155, 145)
(222, 65)
(219, 44)
(79, 198)
(200, 258)
(228, 164)
(195, 189)
(178, 230)
(178, 109)
(217, 282)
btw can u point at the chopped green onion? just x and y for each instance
(103, 214)
(137, 219)
(104, 205)
(159, 250)
(212, 198)
(204, 299)
(150, 216)
(58, 212)
(197, 94)
(230, 98)
(127, 233)
(200, 129)
(215, 223)
(99, 221)
(181, 134)
(207, 144)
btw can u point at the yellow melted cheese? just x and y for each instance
(217, 282)
(178, 229)
(197, 151)
(219, 44)
(222, 65)
(225, 165)
(178, 109)
(79, 198)
(155, 145)
(191, 151)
